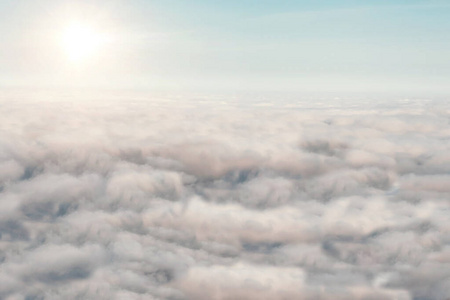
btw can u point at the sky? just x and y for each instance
(337, 47)
(217, 150)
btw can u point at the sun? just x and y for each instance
(81, 41)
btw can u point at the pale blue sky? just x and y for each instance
(297, 46)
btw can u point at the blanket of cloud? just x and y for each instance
(149, 197)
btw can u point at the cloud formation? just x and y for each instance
(138, 197)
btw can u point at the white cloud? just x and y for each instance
(183, 198)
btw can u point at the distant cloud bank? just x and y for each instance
(223, 198)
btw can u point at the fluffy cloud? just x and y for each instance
(136, 197)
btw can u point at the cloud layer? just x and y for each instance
(139, 197)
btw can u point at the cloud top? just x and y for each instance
(181, 198)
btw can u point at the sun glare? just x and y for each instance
(81, 41)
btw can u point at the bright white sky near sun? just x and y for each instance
(302, 46)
